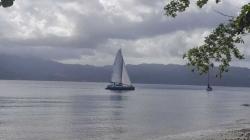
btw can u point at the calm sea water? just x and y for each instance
(31, 110)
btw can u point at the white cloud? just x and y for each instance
(90, 32)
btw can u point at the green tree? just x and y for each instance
(220, 45)
(6, 3)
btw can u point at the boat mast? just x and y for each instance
(122, 62)
(208, 75)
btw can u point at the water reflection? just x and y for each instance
(118, 97)
(118, 102)
(120, 91)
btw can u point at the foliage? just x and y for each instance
(220, 46)
(176, 5)
(6, 3)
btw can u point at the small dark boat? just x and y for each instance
(120, 79)
(209, 88)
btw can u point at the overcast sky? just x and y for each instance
(91, 31)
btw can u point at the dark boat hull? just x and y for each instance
(209, 89)
(111, 87)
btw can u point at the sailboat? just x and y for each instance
(209, 88)
(120, 79)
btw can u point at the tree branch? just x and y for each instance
(223, 14)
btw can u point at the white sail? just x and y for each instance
(120, 74)
(125, 77)
(117, 68)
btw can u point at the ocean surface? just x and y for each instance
(35, 110)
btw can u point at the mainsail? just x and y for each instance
(120, 74)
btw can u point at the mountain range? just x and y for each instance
(32, 68)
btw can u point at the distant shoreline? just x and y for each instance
(30, 68)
